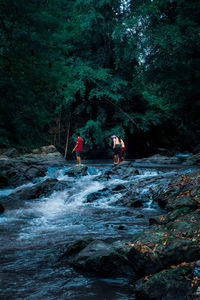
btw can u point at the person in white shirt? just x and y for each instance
(116, 148)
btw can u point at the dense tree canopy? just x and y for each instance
(108, 66)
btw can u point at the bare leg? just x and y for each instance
(78, 160)
(116, 159)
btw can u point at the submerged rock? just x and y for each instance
(2, 209)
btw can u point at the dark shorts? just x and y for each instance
(117, 149)
(78, 153)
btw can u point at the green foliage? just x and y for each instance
(107, 66)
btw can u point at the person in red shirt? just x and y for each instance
(78, 148)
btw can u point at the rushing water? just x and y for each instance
(34, 234)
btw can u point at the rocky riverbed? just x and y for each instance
(126, 232)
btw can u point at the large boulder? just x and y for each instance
(124, 170)
(153, 251)
(102, 259)
(39, 190)
(77, 171)
(169, 284)
(48, 149)
(17, 172)
(182, 192)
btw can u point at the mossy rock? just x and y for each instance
(170, 284)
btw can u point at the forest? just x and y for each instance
(129, 68)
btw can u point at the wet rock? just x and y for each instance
(168, 284)
(154, 251)
(19, 171)
(12, 174)
(182, 192)
(2, 209)
(96, 195)
(93, 196)
(140, 216)
(119, 187)
(132, 199)
(4, 179)
(77, 171)
(124, 170)
(121, 227)
(41, 189)
(34, 172)
(75, 247)
(186, 201)
(137, 203)
(159, 159)
(156, 220)
(170, 217)
(186, 225)
(193, 159)
(128, 213)
(101, 259)
(12, 152)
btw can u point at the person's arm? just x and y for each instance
(77, 143)
(114, 142)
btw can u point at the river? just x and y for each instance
(34, 234)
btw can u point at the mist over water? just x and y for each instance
(35, 233)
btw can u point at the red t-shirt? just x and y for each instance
(79, 143)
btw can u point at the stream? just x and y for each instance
(34, 233)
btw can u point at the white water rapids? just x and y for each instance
(34, 233)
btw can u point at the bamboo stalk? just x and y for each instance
(66, 146)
